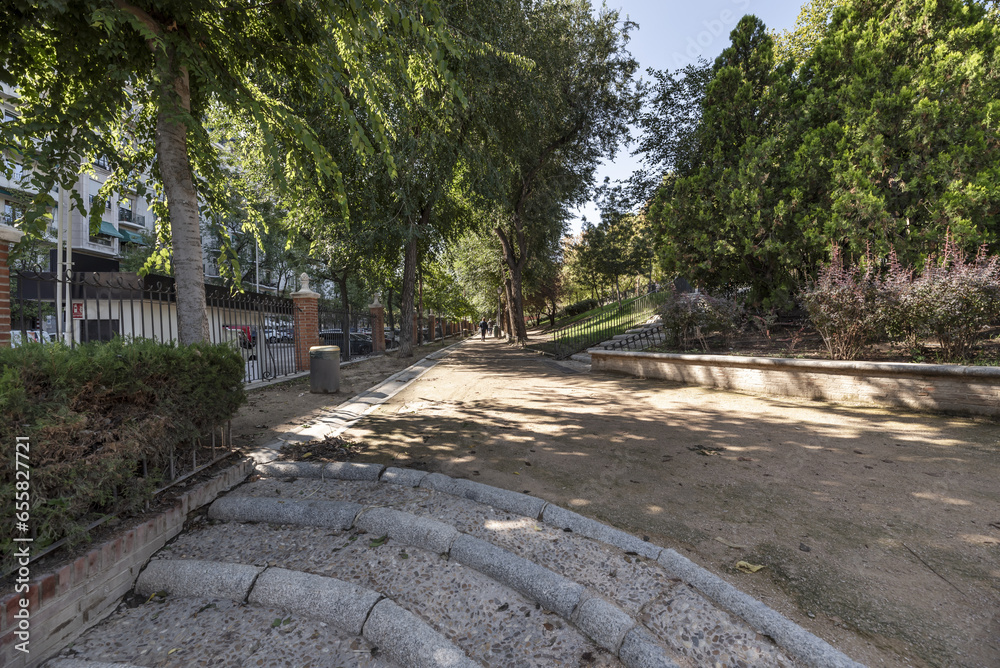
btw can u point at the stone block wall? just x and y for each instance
(969, 390)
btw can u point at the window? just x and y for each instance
(107, 205)
(12, 213)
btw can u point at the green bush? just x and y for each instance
(576, 308)
(695, 316)
(93, 413)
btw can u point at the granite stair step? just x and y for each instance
(472, 573)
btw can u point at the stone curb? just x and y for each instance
(331, 514)
(567, 519)
(80, 663)
(403, 477)
(427, 534)
(192, 577)
(555, 592)
(640, 650)
(603, 622)
(335, 470)
(342, 604)
(791, 637)
(410, 641)
(407, 639)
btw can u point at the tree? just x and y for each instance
(571, 110)
(810, 27)
(134, 80)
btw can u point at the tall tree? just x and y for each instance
(572, 109)
(134, 80)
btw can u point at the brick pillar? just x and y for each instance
(431, 327)
(8, 236)
(377, 312)
(306, 308)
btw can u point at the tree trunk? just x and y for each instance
(409, 281)
(511, 323)
(182, 198)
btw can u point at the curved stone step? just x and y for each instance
(180, 632)
(708, 605)
(452, 580)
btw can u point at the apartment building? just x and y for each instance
(126, 217)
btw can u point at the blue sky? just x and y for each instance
(672, 34)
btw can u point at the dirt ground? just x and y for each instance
(271, 409)
(879, 530)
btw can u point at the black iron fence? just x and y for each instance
(350, 330)
(601, 324)
(79, 307)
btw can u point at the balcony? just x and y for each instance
(124, 215)
(103, 163)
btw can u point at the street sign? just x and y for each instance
(77, 310)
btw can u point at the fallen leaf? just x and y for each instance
(747, 567)
(173, 650)
(547, 626)
(503, 607)
(375, 542)
(743, 459)
(308, 454)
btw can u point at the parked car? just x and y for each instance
(33, 336)
(360, 343)
(247, 334)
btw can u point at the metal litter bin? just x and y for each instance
(324, 369)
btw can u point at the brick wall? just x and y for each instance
(969, 390)
(306, 318)
(69, 601)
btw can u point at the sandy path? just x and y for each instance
(879, 530)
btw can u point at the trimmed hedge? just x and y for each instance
(91, 414)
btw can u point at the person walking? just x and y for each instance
(483, 325)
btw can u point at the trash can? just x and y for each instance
(324, 369)
(496, 331)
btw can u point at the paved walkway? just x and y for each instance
(374, 565)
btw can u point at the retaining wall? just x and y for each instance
(970, 390)
(65, 603)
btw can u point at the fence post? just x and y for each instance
(8, 236)
(377, 312)
(306, 318)
(431, 329)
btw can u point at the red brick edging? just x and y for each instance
(66, 603)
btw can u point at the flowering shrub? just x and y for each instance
(954, 299)
(951, 300)
(841, 305)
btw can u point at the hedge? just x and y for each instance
(91, 415)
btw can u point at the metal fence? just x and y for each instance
(80, 307)
(170, 468)
(349, 330)
(601, 325)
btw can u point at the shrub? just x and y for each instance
(576, 308)
(841, 305)
(691, 316)
(953, 299)
(93, 414)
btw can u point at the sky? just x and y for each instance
(675, 33)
